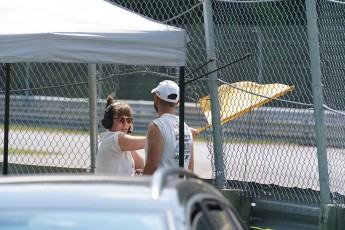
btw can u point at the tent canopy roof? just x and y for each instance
(86, 31)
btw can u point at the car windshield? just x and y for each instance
(46, 219)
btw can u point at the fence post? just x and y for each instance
(100, 82)
(213, 86)
(27, 79)
(93, 113)
(258, 32)
(318, 103)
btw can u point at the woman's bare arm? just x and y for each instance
(130, 143)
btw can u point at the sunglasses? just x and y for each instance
(123, 120)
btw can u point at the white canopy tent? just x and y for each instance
(85, 31)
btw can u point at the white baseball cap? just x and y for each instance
(167, 91)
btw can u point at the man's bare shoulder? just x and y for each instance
(153, 130)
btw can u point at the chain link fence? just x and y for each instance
(49, 118)
(270, 151)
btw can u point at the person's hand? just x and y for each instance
(138, 172)
(195, 132)
(130, 129)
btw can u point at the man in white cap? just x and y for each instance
(162, 138)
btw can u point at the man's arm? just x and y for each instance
(138, 160)
(194, 132)
(191, 159)
(154, 149)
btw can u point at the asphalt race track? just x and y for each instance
(284, 165)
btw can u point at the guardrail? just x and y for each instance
(283, 124)
(72, 113)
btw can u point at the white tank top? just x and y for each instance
(110, 158)
(168, 125)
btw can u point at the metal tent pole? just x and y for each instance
(181, 115)
(7, 69)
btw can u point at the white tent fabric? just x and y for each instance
(85, 31)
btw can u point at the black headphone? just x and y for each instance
(107, 120)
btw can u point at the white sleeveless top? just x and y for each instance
(168, 125)
(110, 158)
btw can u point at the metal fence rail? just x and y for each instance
(73, 113)
(286, 125)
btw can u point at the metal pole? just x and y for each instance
(100, 83)
(181, 115)
(7, 68)
(213, 86)
(27, 79)
(260, 55)
(93, 114)
(318, 101)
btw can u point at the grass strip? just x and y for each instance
(28, 152)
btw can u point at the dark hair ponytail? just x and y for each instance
(110, 100)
